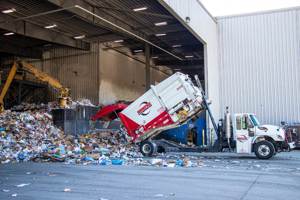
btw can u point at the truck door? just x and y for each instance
(243, 140)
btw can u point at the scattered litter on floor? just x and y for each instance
(27, 133)
(14, 195)
(51, 174)
(156, 161)
(67, 190)
(23, 185)
(159, 195)
(83, 102)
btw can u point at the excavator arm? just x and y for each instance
(7, 84)
(64, 93)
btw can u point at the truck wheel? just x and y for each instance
(264, 149)
(148, 148)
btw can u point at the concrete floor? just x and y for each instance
(223, 176)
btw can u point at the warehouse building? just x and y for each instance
(108, 51)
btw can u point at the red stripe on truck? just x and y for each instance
(130, 125)
(163, 119)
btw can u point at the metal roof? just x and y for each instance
(71, 22)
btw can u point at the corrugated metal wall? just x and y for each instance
(260, 66)
(75, 69)
(104, 76)
(122, 78)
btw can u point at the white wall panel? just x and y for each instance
(259, 65)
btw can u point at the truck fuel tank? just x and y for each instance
(227, 119)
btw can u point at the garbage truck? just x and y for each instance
(177, 100)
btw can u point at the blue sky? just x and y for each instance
(231, 7)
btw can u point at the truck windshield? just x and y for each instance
(254, 120)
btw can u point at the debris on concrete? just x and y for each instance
(72, 104)
(83, 102)
(156, 161)
(67, 190)
(27, 133)
(22, 185)
(159, 195)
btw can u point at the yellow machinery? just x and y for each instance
(64, 93)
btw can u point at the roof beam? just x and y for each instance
(131, 11)
(90, 18)
(188, 67)
(179, 63)
(94, 15)
(34, 31)
(185, 50)
(170, 28)
(20, 51)
(109, 37)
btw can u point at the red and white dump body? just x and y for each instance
(164, 106)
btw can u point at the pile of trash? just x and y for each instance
(25, 135)
(72, 104)
(30, 135)
(29, 106)
(83, 102)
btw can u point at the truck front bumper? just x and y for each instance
(285, 146)
(292, 145)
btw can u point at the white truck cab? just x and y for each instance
(250, 136)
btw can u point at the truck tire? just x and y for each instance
(264, 149)
(148, 148)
